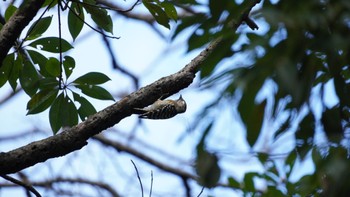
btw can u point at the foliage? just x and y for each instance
(46, 79)
(304, 48)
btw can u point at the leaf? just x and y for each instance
(53, 67)
(86, 108)
(29, 78)
(14, 72)
(69, 113)
(332, 123)
(62, 113)
(252, 115)
(248, 181)
(225, 50)
(69, 65)
(216, 9)
(48, 2)
(75, 20)
(157, 12)
(207, 169)
(169, 9)
(51, 44)
(92, 78)
(41, 60)
(55, 115)
(41, 101)
(189, 21)
(99, 16)
(95, 92)
(5, 69)
(48, 83)
(233, 183)
(9, 11)
(38, 28)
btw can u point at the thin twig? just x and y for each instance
(111, 8)
(34, 25)
(91, 27)
(187, 187)
(18, 182)
(60, 80)
(117, 66)
(150, 192)
(200, 193)
(138, 177)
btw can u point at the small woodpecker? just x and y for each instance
(162, 109)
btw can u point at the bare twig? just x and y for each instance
(150, 191)
(10, 96)
(90, 26)
(117, 66)
(187, 187)
(22, 184)
(200, 193)
(138, 177)
(51, 182)
(124, 148)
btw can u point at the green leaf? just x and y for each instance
(48, 2)
(55, 115)
(207, 169)
(62, 113)
(187, 22)
(29, 78)
(92, 78)
(99, 16)
(157, 12)
(249, 181)
(169, 9)
(9, 11)
(53, 67)
(225, 50)
(5, 69)
(41, 101)
(69, 113)
(69, 65)
(14, 72)
(233, 183)
(86, 108)
(48, 83)
(252, 115)
(51, 44)
(332, 123)
(41, 60)
(95, 92)
(75, 20)
(216, 9)
(38, 28)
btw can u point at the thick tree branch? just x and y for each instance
(14, 27)
(76, 137)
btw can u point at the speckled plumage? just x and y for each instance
(163, 109)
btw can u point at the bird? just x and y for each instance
(162, 109)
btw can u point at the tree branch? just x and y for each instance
(14, 27)
(128, 149)
(76, 137)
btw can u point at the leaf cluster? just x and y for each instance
(46, 79)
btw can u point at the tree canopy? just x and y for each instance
(278, 71)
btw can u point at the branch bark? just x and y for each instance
(15, 25)
(76, 137)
